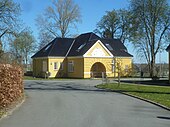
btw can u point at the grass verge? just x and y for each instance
(33, 78)
(158, 94)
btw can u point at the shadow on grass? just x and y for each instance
(148, 82)
(138, 91)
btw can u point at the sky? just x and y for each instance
(91, 13)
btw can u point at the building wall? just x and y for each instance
(123, 65)
(82, 66)
(78, 67)
(38, 66)
(97, 50)
(60, 71)
(89, 62)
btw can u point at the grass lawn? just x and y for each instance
(157, 94)
(32, 78)
(2, 113)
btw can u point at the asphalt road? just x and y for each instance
(76, 103)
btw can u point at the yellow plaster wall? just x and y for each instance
(82, 66)
(38, 67)
(59, 72)
(88, 63)
(123, 62)
(78, 68)
(107, 62)
(97, 46)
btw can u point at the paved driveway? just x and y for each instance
(76, 103)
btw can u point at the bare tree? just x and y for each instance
(9, 12)
(59, 18)
(149, 30)
(23, 45)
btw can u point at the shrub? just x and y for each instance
(11, 84)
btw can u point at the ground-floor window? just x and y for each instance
(61, 65)
(55, 65)
(44, 66)
(70, 66)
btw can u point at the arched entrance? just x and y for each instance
(97, 69)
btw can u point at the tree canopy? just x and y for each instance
(114, 24)
(150, 24)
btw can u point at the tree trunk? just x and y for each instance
(152, 67)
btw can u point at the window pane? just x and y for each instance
(55, 65)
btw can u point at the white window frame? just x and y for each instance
(126, 68)
(71, 66)
(55, 67)
(44, 67)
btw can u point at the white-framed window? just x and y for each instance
(70, 66)
(126, 68)
(44, 66)
(55, 65)
(61, 65)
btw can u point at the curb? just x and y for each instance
(140, 98)
(11, 110)
(146, 100)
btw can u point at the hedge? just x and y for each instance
(11, 84)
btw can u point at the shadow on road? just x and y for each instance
(63, 86)
(163, 117)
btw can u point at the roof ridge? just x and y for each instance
(70, 48)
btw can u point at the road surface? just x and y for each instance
(77, 103)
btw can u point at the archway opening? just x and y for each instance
(98, 70)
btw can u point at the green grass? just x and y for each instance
(157, 94)
(1, 113)
(32, 78)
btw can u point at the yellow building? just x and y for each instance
(85, 56)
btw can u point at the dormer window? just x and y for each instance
(109, 47)
(47, 47)
(81, 46)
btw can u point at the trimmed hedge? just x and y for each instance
(11, 85)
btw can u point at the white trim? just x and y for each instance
(123, 57)
(87, 72)
(111, 55)
(72, 57)
(70, 48)
(99, 57)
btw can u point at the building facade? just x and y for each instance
(86, 56)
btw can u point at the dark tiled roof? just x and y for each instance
(80, 45)
(86, 41)
(58, 47)
(168, 48)
(118, 47)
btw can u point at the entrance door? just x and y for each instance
(97, 69)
